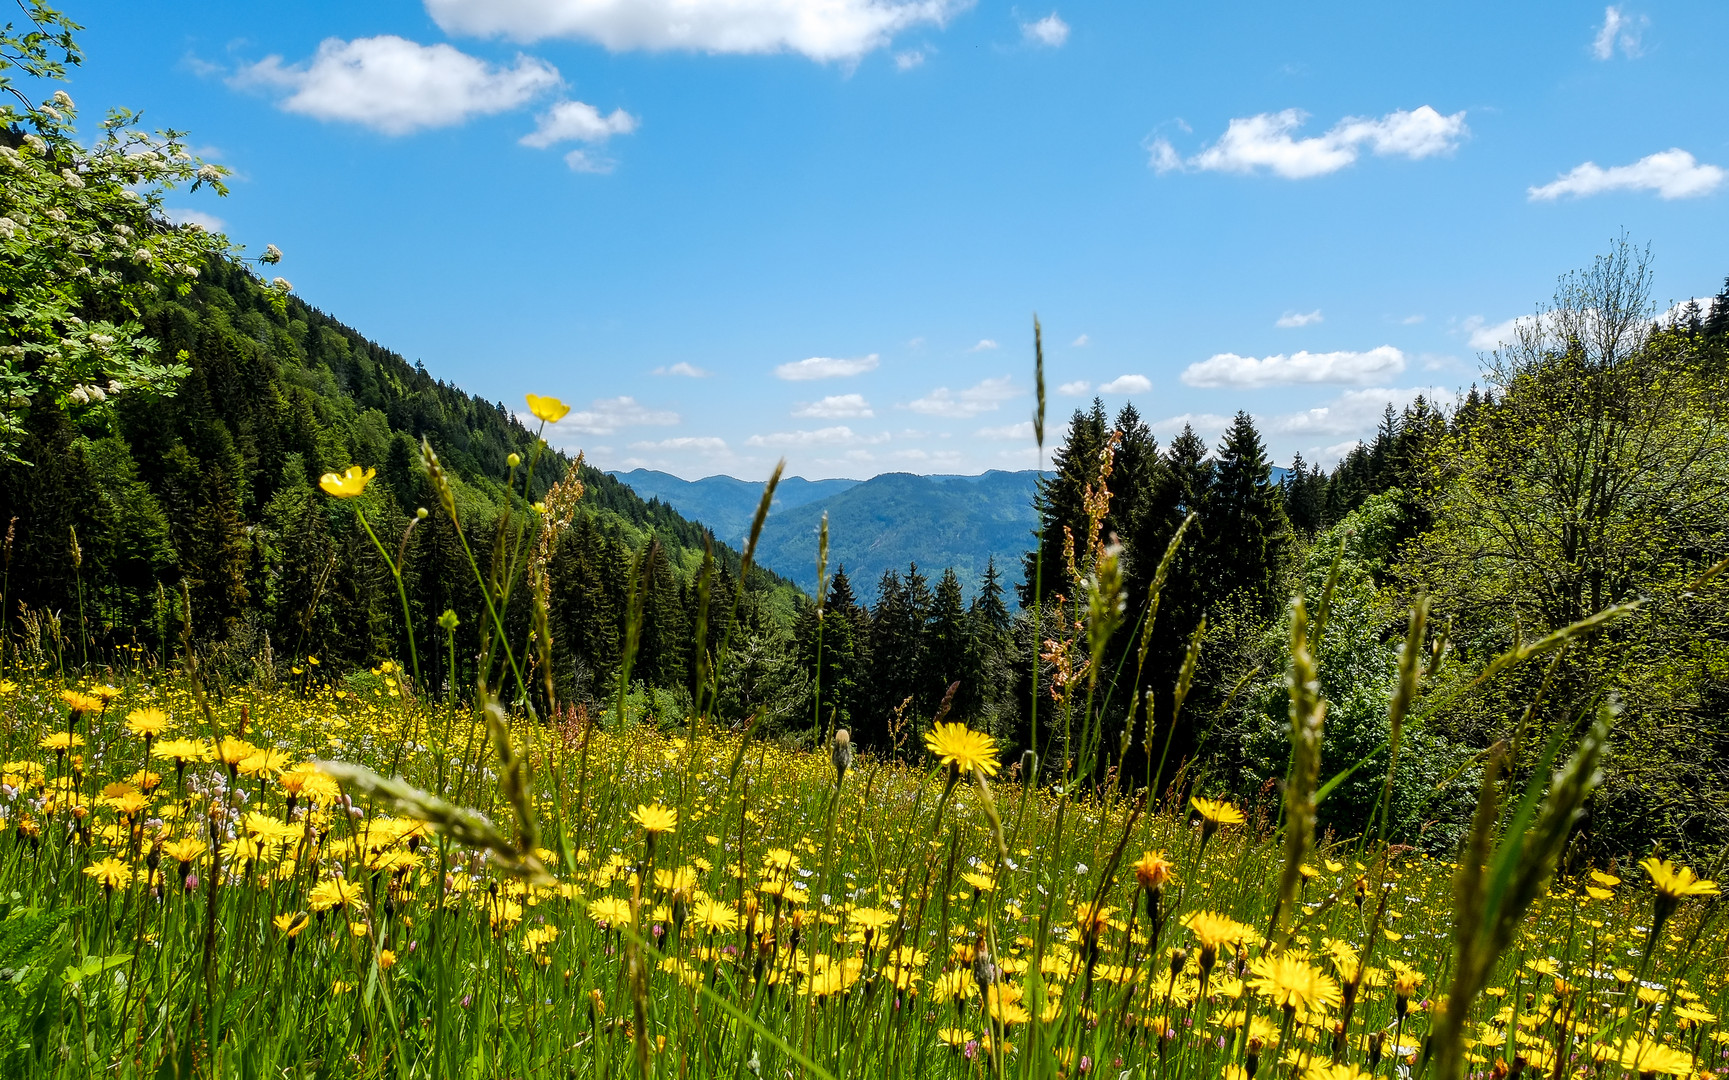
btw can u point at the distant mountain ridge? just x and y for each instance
(874, 525)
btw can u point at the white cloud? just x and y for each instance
(1292, 319)
(397, 86)
(1411, 320)
(608, 415)
(835, 406)
(1022, 430)
(1672, 174)
(981, 398)
(1266, 142)
(1354, 412)
(688, 370)
(1618, 30)
(1050, 31)
(820, 29)
(1127, 384)
(706, 445)
(1480, 335)
(1208, 426)
(984, 345)
(578, 121)
(1229, 369)
(1074, 389)
(585, 161)
(906, 61)
(839, 435)
(186, 216)
(1677, 312)
(1080, 342)
(825, 367)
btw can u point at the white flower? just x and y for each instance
(143, 255)
(96, 393)
(9, 228)
(73, 180)
(80, 395)
(209, 174)
(1080, 869)
(272, 254)
(50, 112)
(282, 284)
(9, 156)
(35, 143)
(63, 99)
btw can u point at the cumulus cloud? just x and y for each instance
(1678, 313)
(838, 435)
(1672, 174)
(825, 367)
(1080, 342)
(706, 445)
(1127, 384)
(1229, 369)
(186, 216)
(1074, 389)
(1267, 142)
(908, 59)
(397, 86)
(1619, 31)
(819, 29)
(1486, 337)
(983, 397)
(1208, 426)
(608, 415)
(1050, 31)
(578, 121)
(688, 370)
(1022, 430)
(835, 406)
(1354, 412)
(984, 345)
(1292, 319)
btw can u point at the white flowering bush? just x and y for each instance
(84, 241)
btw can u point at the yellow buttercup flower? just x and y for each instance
(655, 819)
(549, 409)
(965, 749)
(352, 482)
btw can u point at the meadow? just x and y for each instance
(186, 891)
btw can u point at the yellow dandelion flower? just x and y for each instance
(1153, 870)
(965, 749)
(1216, 813)
(1292, 982)
(655, 819)
(1676, 882)
(111, 872)
(336, 893)
(61, 741)
(147, 723)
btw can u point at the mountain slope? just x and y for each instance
(875, 525)
(724, 503)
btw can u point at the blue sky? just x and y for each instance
(731, 230)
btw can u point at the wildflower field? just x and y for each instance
(185, 891)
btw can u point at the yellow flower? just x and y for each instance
(61, 741)
(609, 910)
(146, 722)
(181, 751)
(966, 750)
(716, 916)
(1212, 930)
(954, 1038)
(1643, 1056)
(335, 893)
(112, 873)
(1675, 882)
(1293, 982)
(80, 702)
(184, 850)
(655, 819)
(351, 483)
(1153, 869)
(1214, 814)
(291, 924)
(549, 409)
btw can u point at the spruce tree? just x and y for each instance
(1246, 527)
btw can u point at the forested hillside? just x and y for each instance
(211, 489)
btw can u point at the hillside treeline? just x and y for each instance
(117, 515)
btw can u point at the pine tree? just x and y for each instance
(948, 649)
(1060, 502)
(1246, 527)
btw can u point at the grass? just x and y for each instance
(795, 920)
